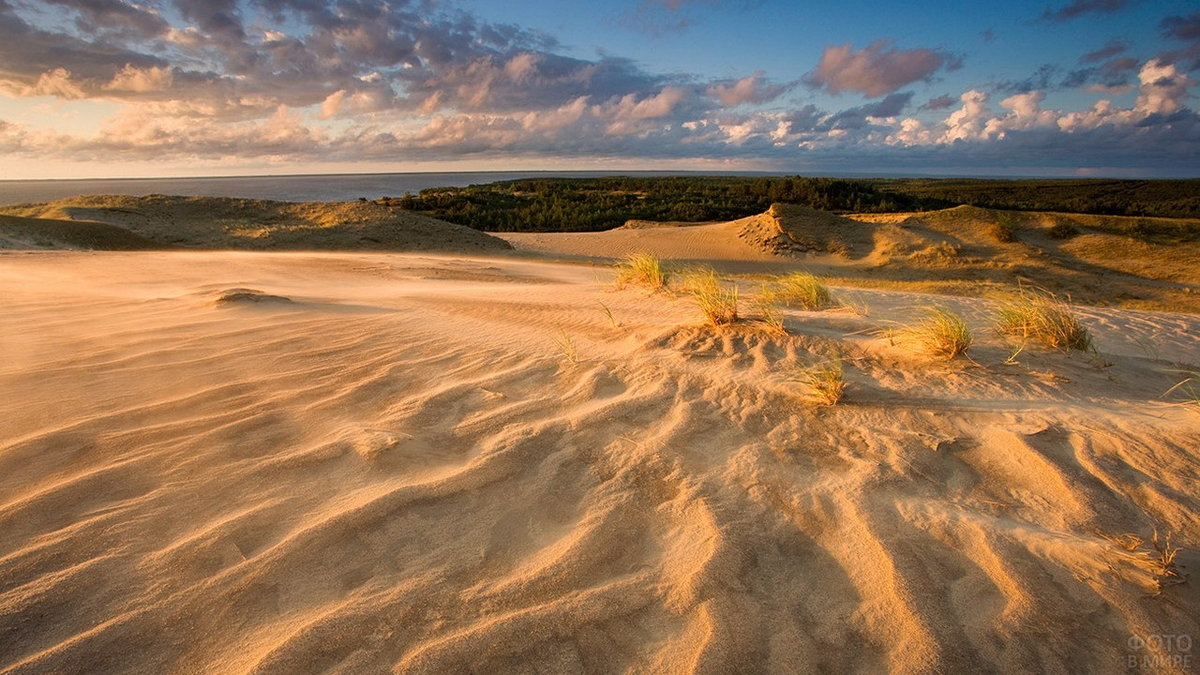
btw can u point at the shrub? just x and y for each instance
(1003, 230)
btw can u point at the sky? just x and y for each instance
(117, 88)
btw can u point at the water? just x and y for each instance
(337, 187)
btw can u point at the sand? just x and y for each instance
(164, 221)
(255, 462)
(954, 251)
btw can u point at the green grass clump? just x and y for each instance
(941, 333)
(717, 299)
(799, 289)
(643, 269)
(825, 381)
(1045, 319)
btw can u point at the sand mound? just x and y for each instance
(433, 488)
(788, 228)
(249, 296)
(45, 233)
(220, 223)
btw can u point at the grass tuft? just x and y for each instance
(1046, 319)
(825, 381)
(566, 347)
(942, 333)
(717, 299)
(608, 313)
(1166, 572)
(799, 289)
(769, 316)
(643, 269)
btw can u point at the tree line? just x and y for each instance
(592, 204)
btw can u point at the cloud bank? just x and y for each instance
(349, 81)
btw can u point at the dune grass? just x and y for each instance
(643, 269)
(799, 289)
(941, 333)
(566, 347)
(825, 381)
(1188, 389)
(1045, 319)
(768, 314)
(717, 299)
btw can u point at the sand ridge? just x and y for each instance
(398, 471)
(960, 251)
(228, 223)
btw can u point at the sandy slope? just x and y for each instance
(397, 471)
(954, 251)
(227, 223)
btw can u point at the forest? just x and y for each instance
(591, 204)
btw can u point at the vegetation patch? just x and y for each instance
(643, 269)
(717, 299)
(825, 381)
(942, 334)
(799, 289)
(1046, 319)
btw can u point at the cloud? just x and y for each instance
(938, 103)
(352, 81)
(661, 17)
(750, 89)
(1079, 8)
(1115, 76)
(877, 69)
(1186, 28)
(1113, 48)
(1044, 77)
(141, 80)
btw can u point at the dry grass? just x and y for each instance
(825, 381)
(566, 347)
(608, 313)
(941, 333)
(1160, 557)
(1046, 319)
(643, 269)
(716, 298)
(1190, 392)
(1166, 572)
(799, 289)
(769, 316)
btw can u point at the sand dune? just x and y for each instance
(226, 223)
(955, 251)
(392, 468)
(46, 233)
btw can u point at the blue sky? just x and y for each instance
(224, 87)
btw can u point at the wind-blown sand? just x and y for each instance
(229, 462)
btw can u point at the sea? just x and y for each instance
(330, 187)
